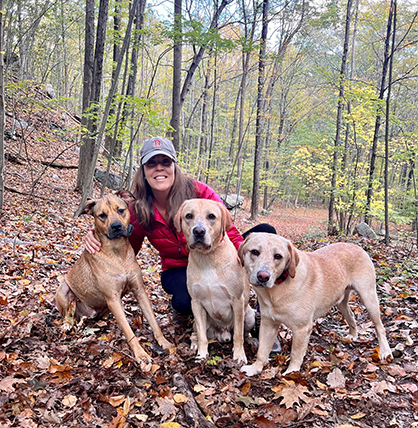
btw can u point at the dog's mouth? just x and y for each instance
(200, 245)
(119, 232)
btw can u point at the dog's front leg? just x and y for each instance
(239, 353)
(299, 344)
(115, 306)
(201, 323)
(268, 333)
(141, 296)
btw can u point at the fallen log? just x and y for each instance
(192, 412)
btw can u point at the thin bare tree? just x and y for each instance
(260, 113)
(340, 104)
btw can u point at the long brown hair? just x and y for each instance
(183, 188)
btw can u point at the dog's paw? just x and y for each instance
(201, 356)
(193, 342)
(351, 337)
(251, 370)
(252, 341)
(240, 357)
(165, 344)
(291, 369)
(145, 365)
(385, 354)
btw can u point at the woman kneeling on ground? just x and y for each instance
(159, 188)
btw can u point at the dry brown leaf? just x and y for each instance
(7, 383)
(170, 425)
(126, 406)
(166, 409)
(69, 401)
(263, 422)
(245, 389)
(118, 421)
(336, 379)
(292, 393)
(117, 400)
(358, 416)
(180, 398)
(382, 387)
(199, 388)
(348, 426)
(396, 370)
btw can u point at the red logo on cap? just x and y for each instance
(157, 143)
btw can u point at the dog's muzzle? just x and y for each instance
(118, 230)
(263, 277)
(199, 238)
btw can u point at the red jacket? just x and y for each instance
(172, 245)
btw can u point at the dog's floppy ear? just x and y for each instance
(241, 250)
(177, 218)
(126, 195)
(226, 219)
(294, 259)
(88, 208)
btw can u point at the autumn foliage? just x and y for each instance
(87, 377)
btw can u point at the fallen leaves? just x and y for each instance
(7, 384)
(291, 393)
(51, 377)
(336, 379)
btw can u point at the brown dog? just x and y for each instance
(295, 288)
(98, 281)
(216, 280)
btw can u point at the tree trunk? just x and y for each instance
(393, 7)
(203, 140)
(212, 121)
(97, 143)
(116, 52)
(246, 57)
(177, 58)
(260, 114)
(331, 224)
(373, 154)
(2, 112)
(84, 157)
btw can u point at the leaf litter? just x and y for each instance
(86, 376)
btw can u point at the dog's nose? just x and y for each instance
(116, 226)
(199, 232)
(263, 276)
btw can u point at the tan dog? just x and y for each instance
(98, 281)
(216, 280)
(295, 288)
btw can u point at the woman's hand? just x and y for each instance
(91, 243)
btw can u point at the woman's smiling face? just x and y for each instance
(159, 173)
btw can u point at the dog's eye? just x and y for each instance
(212, 217)
(103, 216)
(255, 253)
(278, 256)
(189, 216)
(121, 211)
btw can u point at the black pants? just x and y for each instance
(174, 281)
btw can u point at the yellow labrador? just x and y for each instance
(295, 288)
(216, 280)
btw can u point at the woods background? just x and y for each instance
(306, 108)
(310, 103)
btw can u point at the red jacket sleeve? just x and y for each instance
(138, 234)
(205, 192)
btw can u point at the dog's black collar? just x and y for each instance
(282, 277)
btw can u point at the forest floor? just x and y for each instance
(87, 378)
